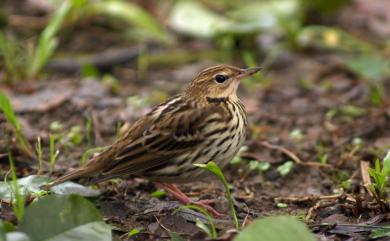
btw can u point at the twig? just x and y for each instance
(96, 128)
(364, 167)
(299, 199)
(165, 228)
(292, 155)
(317, 206)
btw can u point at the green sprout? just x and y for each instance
(53, 152)
(134, 232)
(88, 130)
(47, 42)
(18, 199)
(380, 178)
(211, 232)
(285, 168)
(213, 168)
(158, 193)
(9, 113)
(25, 61)
(38, 149)
(259, 165)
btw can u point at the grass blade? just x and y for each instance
(18, 199)
(212, 167)
(6, 108)
(47, 42)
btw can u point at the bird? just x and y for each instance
(206, 122)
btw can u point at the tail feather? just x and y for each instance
(78, 173)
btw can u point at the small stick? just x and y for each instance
(292, 155)
(317, 206)
(364, 167)
(297, 199)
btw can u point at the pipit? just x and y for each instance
(206, 122)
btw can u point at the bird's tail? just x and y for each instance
(75, 174)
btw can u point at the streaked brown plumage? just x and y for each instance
(206, 122)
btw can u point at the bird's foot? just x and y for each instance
(183, 198)
(206, 205)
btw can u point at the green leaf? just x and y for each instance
(158, 193)
(386, 164)
(17, 236)
(176, 237)
(381, 232)
(277, 228)
(212, 167)
(282, 205)
(285, 168)
(192, 18)
(31, 185)
(212, 232)
(352, 111)
(5, 106)
(47, 41)
(264, 15)
(2, 231)
(133, 232)
(370, 67)
(203, 227)
(63, 218)
(133, 14)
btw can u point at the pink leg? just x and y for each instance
(182, 197)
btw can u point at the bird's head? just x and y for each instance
(220, 81)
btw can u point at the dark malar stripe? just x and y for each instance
(217, 100)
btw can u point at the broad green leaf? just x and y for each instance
(264, 15)
(96, 231)
(279, 228)
(74, 188)
(31, 185)
(60, 218)
(17, 236)
(192, 18)
(370, 67)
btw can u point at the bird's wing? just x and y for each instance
(164, 137)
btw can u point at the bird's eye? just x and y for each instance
(220, 78)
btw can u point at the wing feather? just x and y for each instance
(174, 133)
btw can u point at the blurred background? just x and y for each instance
(80, 72)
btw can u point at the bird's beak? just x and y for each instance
(248, 72)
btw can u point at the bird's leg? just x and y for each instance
(182, 197)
